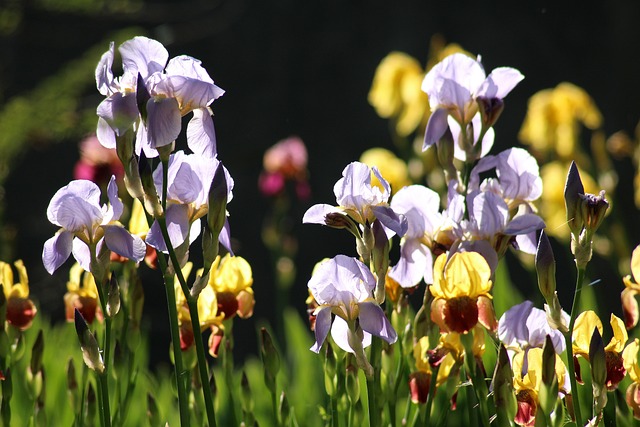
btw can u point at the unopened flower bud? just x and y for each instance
(217, 214)
(330, 377)
(546, 268)
(165, 151)
(380, 258)
(132, 178)
(555, 316)
(92, 407)
(572, 190)
(113, 297)
(36, 353)
(339, 221)
(598, 362)
(199, 284)
(548, 395)
(490, 110)
(151, 200)
(246, 398)
(593, 210)
(284, 408)
(88, 344)
(270, 359)
(444, 150)
(503, 392)
(142, 97)
(125, 147)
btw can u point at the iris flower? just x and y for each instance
(429, 232)
(85, 224)
(343, 286)
(460, 289)
(189, 181)
(527, 381)
(630, 361)
(631, 290)
(455, 84)
(524, 326)
(585, 324)
(82, 295)
(360, 200)
(20, 309)
(169, 91)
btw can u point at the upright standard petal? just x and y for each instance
(143, 55)
(500, 82)
(57, 250)
(163, 121)
(201, 135)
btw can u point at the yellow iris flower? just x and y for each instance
(554, 117)
(82, 294)
(630, 360)
(631, 290)
(393, 169)
(231, 279)
(20, 309)
(527, 386)
(461, 289)
(584, 327)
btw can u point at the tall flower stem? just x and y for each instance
(373, 383)
(191, 302)
(479, 383)
(103, 378)
(183, 400)
(569, 345)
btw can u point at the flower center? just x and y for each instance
(461, 314)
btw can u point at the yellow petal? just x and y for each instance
(630, 360)
(635, 264)
(583, 329)
(620, 335)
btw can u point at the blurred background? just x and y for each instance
(288, 68)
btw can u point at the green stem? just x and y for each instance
(191, 302)
(432, 394)
(569, 345)
(373, 383)
(334, 411)
(479, 383)
(228, 374)
(203, 368)
(103, 378)
(105, 413)
(183, 399)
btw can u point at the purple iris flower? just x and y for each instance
(343, 286)
(453, 86)
(168, 91)
(189, 179)
(361, 201)
(85, 223)
(523, 326)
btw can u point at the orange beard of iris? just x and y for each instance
(461, 314)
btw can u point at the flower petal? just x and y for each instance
(123, 243)
(323, 325)
(316, 214)
(436, 127)
(415, 263)
(104, 74)
(114, 200)
(56, 250)
(163, 121)
(120, 111)
(500, 82)
(105, 134)
(390, 219)
(201, 135)
(143, 55)
(373, 320)
(82, 254)
(178, 226)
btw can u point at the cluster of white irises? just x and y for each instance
(141, 116)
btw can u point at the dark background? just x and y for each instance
(305, 68)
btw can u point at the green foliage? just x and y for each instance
(53, 110)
